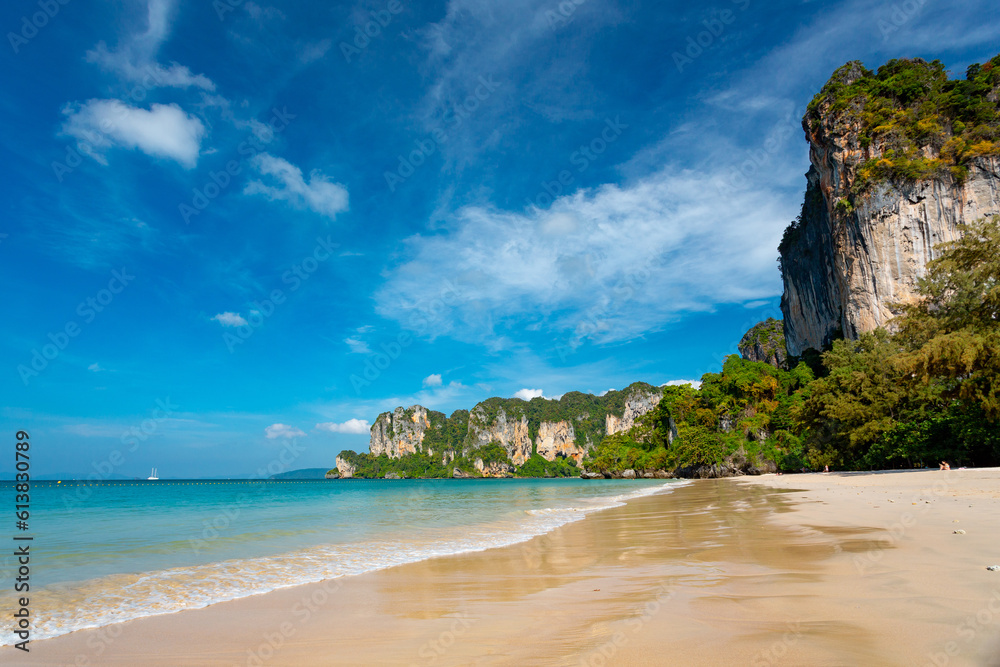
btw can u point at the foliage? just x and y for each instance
(446, 433)
(537, 466)
(954, 332)
(731, 415)
(914, 122)
(765, 338)
(491, 453)
(413, 465)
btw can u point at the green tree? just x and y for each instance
(954, 330)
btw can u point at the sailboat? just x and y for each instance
(152, 474)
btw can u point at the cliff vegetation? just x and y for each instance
(912, 122)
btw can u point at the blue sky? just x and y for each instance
(240, 226)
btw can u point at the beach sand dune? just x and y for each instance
(823, 569)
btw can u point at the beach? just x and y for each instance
(818, 569)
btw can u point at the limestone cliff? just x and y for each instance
(345, 468)
(765, 342)
(494, 469)
(559, 439)
(399, 432)
(638, 402)
(897, 167)
(488, 425)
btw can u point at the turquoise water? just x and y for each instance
(114, 551)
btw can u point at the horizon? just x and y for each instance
(217, 257)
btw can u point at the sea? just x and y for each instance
(106, 552)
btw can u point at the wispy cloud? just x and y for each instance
(433, 380)
(275, 431)
(135, 59)
(355, 426)
(228, 319)
(357, 346)
(150, 74)
(319, 194)
(609, 264)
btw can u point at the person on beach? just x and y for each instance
(944, 466)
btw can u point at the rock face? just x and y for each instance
(345, 469)
(512, 434)
(637, 404)
(854, 252)
(495, 469)
(558, 439)
(399, 432)
(765, 342)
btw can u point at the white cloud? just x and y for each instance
(135, 59)
(319, 195)
(753, 305)
(95, 367)
(163, 130)
(228, 319)
(609, 264)
(433, 380)
(677, 383)
(528, 394)
(282, 431)
(357, 346)
(356, 426)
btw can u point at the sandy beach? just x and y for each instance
(819, 569)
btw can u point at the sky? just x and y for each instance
(237, 231)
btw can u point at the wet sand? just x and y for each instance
(777, 570)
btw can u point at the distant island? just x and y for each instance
(888, 354)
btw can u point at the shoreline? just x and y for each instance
(251, 575)
(818, 568)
